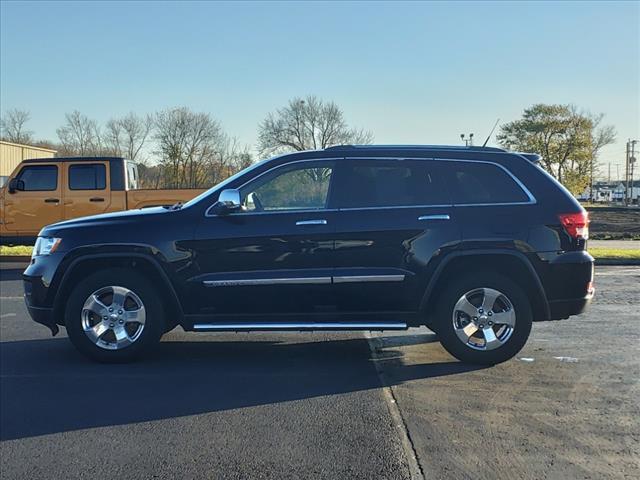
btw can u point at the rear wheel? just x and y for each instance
(114, 316)
(483, 319)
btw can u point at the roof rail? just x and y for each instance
(532, 157)
(417, 147)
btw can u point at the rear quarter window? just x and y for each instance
(482, 183)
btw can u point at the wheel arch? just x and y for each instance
(510, 263)
(140, 262)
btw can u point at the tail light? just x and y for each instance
(576, 224)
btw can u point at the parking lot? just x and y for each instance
(327, 405)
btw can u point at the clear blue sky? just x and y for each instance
(409, 72)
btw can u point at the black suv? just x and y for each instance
(475, 243)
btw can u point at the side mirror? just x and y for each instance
(228, 201)
(16, 185)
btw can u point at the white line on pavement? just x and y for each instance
(415, 469)
(5, 315)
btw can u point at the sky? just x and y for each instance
(408, 72)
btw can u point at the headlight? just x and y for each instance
(45, 246)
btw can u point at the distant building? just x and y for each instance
(11, 154)
(610, 192)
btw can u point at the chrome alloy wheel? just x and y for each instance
(113, 317)
(484, 319)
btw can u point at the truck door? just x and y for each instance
(87, 189)
(38, 202)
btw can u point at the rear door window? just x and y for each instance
(87, 177)
(390, 183)
(39, 178)
(483, 183)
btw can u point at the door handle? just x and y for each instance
(311, 222)
(434, 217)
(51, 200)
(96, 199)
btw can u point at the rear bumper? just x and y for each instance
(561, 309)
(569, 284)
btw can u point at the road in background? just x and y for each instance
(311, 405)
(622, 244)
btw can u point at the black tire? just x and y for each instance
(154, 325)
(444, 323)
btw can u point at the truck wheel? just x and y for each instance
(483, 319)
(114, 315)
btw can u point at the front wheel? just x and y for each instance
(114, 316)
(483, 319)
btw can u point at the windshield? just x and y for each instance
(222, 184)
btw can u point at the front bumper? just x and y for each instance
(43, 316)
(38, 296)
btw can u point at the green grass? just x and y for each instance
(617, 253)
(18, 250)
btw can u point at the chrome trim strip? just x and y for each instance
(298, 326)
(311, 222)
(434, 217)
(395, 207)
(267, 281)
(368, 278)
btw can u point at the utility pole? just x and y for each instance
(591, 179)
(468, 142)
(626, 176)
(632, 162)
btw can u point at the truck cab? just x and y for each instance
(45, 191)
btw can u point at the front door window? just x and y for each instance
(289, 189)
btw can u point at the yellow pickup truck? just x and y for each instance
(48, 190)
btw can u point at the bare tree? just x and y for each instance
(188, 143)
(80, 135)
(307, 124)
(12, 126)
(230, 157)
(126, 136)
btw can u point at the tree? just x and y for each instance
(187, 145)
(12, 126)
(229, 158)
(568, 140)
(80, 136)
(307, 124)
(126, 136)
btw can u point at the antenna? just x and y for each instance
(490, 133)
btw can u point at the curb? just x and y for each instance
(617, 262)
(15, 258)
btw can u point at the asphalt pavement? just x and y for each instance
(325, 405)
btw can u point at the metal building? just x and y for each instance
(11, 154)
